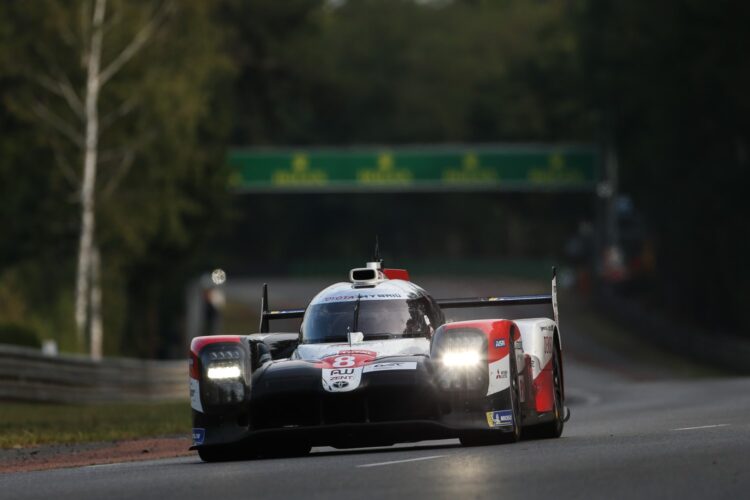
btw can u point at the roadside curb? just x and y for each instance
(78, 455)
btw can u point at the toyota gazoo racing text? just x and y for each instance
(374, 364)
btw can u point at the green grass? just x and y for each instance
(28, 424)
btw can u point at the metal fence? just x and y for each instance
(28, 375)
(716, 348)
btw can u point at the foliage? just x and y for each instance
(161, 109)
(666, 81)
(395, 71)
(18, 334)
(670, 80)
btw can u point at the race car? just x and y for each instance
(375, 363)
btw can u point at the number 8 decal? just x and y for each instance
(343, 362)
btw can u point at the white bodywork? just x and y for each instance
(346, 292)
(345, 378)
(391, 347)
(499, 373)
(537, 339)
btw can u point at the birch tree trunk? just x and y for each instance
(88, 184)
(97, 334)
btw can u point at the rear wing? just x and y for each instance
(514, 300)
(266, 315)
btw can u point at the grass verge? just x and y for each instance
(28, 424)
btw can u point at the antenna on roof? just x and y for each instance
(376, 256)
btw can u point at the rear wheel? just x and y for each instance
(495, 436)
(554, 428)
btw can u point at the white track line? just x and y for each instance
(402, 461)
(700, 427)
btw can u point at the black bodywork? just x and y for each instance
(287, 401)
(283, 401)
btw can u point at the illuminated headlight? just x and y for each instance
(223, 372)
(461, 359)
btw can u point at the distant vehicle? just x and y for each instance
(374, 364)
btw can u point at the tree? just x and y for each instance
(110, 105)
(88, 287)
(671, 80)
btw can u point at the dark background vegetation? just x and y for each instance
(665, 82)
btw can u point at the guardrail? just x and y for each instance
(28, 375)
(710, 347)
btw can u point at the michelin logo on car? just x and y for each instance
(500, 418)
(199, 435)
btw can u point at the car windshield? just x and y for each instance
(376, 319)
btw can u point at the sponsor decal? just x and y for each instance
(500, 343)
(199, 436)
(498, 375)
(341, 379)
(342, 372)
(343, 362)
(372, 354)
(364, 296)
(390, 366)
(547, 345)
(547, 328)
(501, 418)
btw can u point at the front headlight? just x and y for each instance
(223, 372)
(461, 359)
(223, 363)
(226, 369)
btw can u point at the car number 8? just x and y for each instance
(343, 362)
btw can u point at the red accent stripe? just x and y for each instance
(396, 274)
(199, 343)
(495, 330)
(543, 387)
(195, 366)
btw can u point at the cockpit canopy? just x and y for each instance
(379, 315)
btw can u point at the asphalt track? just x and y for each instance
(634, 433)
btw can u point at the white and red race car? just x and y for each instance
(375, 363)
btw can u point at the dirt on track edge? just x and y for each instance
(55, 456)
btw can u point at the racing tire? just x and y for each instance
(490, 437)
(554, 428)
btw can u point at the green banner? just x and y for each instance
(460, 168)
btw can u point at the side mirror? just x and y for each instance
(260, 354)
(356, 337)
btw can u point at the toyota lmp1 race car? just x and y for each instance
(375, 363)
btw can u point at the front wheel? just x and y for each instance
(494, 436)
(554, 428)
